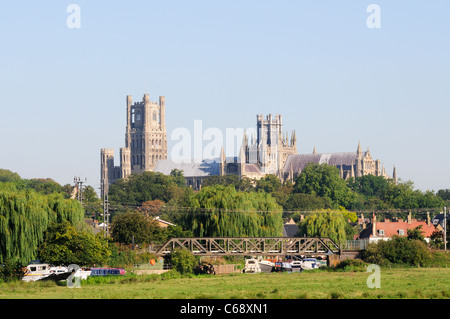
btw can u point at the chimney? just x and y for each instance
(409, 218)
(374, 225)
(428, 219)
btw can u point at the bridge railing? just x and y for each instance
(214, 246)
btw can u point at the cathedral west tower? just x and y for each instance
(145, 141)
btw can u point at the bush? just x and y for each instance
(10, 271)
(398, 250)
(171, 274)
(351, 265)
(183, 261)
(125, 256)
(440, 259)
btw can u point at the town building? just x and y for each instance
(384, 230)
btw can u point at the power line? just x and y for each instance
(183, 209)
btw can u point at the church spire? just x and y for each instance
(314, 150)
(293, 138)
(242, 158)
(359, 150)
(222, 163)
(222, 155)
(245, 140)
(394, 175)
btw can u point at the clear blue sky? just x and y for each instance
(334, 80)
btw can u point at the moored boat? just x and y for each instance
(286, 266)
(310, 263)
(266, 266)
(107, 271)
(43, 271)
(296, 265)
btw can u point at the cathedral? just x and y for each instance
(270, 152)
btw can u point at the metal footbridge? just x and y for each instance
(251, 246)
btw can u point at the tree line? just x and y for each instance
(319, 186)
(33, 211)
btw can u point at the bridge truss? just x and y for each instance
(251, 246)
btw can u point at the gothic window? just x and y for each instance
(232, 169)
(154, 116)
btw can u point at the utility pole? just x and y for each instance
(105, 208)
(79, 185)
(445, 228)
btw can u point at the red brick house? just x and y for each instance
(384, 230)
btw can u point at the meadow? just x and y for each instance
(396, 283)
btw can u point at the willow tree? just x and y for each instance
(330, 224)
(25, 216)
(221, 211)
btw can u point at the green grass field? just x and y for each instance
(396, 283)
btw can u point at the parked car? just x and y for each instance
(252, 266)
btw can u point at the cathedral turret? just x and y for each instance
(394, 175)
(359, 150)
(358, 161)
(128, 127)
(162, 112)
(294, 140)
(222, 163)
(243, 158)
(125, 162)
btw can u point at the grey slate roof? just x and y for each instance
(251, 168)
(290, 230)
(299, 161)
(203, 169)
